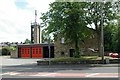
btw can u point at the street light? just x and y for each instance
(102, 34)
(49, 48)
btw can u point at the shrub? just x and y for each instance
(5, 51)
(72, 59)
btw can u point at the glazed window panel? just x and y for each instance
(39, 50)
(22, 51)
(28, 51)
(33, 51)
(36, 51)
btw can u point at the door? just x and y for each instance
(37, 52)
(25, 52)
(46, 52)
(71, 51)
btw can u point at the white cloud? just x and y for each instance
(40, 6)
(15, 22)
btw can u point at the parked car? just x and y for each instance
(114, 55)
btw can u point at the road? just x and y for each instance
(27, 68)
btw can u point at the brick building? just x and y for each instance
(89, 47)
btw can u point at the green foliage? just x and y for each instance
(12, 48)
(109, 34)
(68, 20)
(75, 59)
(118, 45)
(45, 37)
(6, 50)
(111, 37)
(118, 38)
(111, 31)
(99, 14)
(27, 41)
(97, 10)
(115, 41)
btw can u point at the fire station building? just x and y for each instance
(35, 51)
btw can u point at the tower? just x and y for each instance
(35, 31)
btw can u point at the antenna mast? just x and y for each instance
(35, 16)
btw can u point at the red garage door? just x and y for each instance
(25, 52)
(36, 52)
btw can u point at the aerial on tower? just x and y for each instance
(35, 31)
(35, 16)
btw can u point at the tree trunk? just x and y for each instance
(77, 49)
(98, 38)
(99, 42)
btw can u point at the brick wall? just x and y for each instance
(90, 43)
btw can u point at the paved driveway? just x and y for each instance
(7, 61)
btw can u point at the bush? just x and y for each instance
(72, 60)
(5, 51)
(75, 59)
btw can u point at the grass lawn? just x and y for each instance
(79, 59)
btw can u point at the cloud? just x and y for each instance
(15, 20)
(40, 6)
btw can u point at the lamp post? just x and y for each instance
(102, 33)
(49, 48)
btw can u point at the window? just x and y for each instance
(36, 50)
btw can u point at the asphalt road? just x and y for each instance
(7, 61)
(27, 68)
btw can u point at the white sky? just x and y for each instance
(16, 17)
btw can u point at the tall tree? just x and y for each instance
(118, 11)
(118, 45)
(110, 37)
(97, 11)
(70, 19)
(67, 19)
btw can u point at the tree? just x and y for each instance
(27, 41)
(110, 37)
(97, 10)
(118, 45)
(6, 50)
(46, 36)
(113, 29)
(117, 37)
(68, 20)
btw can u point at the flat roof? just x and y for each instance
(34, 45)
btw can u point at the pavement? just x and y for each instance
(28, 68)
(105, 65)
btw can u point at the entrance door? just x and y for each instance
(46, 52)
(25, 52)
(71, 51)
(37, 52)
